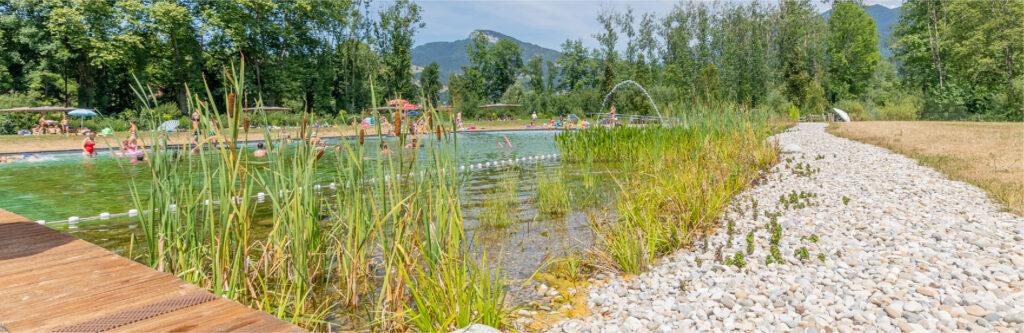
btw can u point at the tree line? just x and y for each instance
(304, 54)
(952, 58)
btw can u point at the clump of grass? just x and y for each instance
(804, 169)
(775, 230)
(500, 203)
(737, 260)
(802, 254)
(571, 267)
(797, 200)
(552, 196)
(750, 242)
(846, 200)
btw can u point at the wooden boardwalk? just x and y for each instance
(53, 282)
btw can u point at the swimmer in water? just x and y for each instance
(315, 140)
(412, 144)
(89, 145)
(261, 151)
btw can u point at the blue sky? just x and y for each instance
(546, 23)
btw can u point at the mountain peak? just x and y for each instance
(492, 36)
(451, 56)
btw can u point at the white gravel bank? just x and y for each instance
(910, 251)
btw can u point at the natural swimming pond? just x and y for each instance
(64, 185)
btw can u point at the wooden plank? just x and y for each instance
(50, 280)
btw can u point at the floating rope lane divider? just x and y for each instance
(73, 221)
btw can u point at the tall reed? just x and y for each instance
(676, 180)
(271, 233)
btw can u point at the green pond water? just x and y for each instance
(58, 186)
(62, 185)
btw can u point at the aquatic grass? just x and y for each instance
(552, 195)
(675, 181)
(501, 202)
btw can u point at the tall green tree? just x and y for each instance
(608, 38)
(801, 47)
(965, 57)
(535, 71)
(430, 82)
(853, 53)
(499, 63)
(572, 65)
(398, 24)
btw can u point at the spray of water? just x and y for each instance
(604, 105)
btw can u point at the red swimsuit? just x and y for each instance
(90, 147)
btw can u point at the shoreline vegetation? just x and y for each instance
(394, 255)
(384, 256)
(989, 155)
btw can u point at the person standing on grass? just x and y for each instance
(195, 126)
(133, 131)
(533, 119)
(65, 127)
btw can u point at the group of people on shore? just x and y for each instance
(46, 126)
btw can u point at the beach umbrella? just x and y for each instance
(410, 107)
(397, 102)
(82, 113)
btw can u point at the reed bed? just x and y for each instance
(360, 255)
(674, 181)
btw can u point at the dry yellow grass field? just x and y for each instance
(989, 155)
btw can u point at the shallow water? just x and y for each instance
(66, 185)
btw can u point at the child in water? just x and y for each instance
(261, 150)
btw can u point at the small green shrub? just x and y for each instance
(802, 254)
(793, 112)
(907, 107)
(855, 109)
(737, 260)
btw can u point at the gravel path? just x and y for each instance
(909, 251)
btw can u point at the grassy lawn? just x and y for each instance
(11, 144)
(989, 155)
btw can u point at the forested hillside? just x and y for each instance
(451, 56)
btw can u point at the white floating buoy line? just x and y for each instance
(261, 197)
